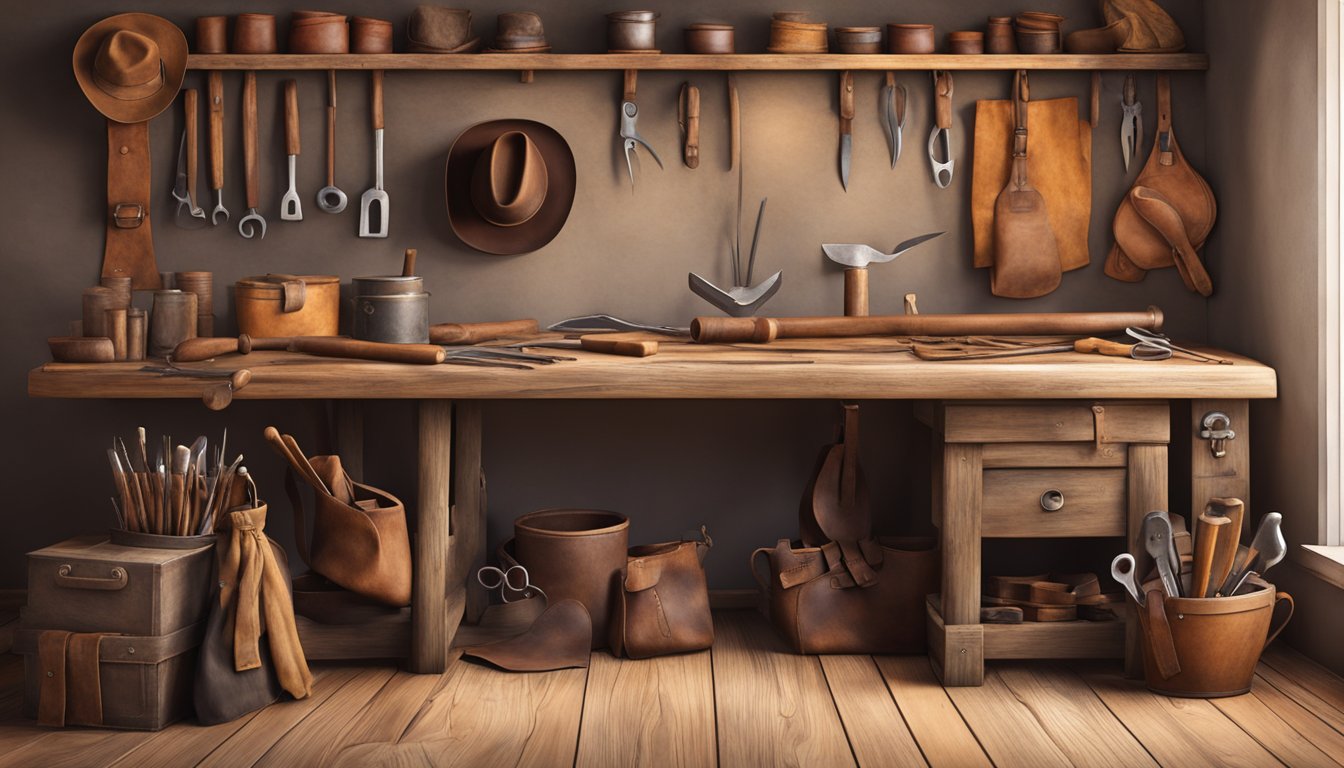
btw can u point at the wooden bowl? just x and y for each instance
(254, 33)
(910, 38)
(1036, 41)
(710, 38)
(370, 35)
(858, 39)
(81, 349)
(323, 34)
(790, 37)
(966, 43)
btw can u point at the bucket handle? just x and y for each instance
(1292, 606)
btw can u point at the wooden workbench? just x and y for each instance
(450, 517)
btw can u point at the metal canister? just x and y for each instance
(392, 308)
(392, 318)
(171, 322)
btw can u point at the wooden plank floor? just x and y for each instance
(747, 702)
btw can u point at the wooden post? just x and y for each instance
(430, 630)
(350, 437)
(962, 661)
(1229, 476)
(467, 545)
(1147, 493)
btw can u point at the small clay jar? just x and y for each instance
(121, 286)
(999, 38)
(800, 17)
(797, 37)
(171, 322)
(370, 35)
(1037, 41)
(710, 38)
(318, 32)
(910, 38)
(966, 42)
(858, 39)
(254, 33)
(212, 34)
(96, 302)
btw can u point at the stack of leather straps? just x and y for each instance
(1048, 597)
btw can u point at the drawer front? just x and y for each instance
(1032, 455)
(1091, 502)
(1062, 422)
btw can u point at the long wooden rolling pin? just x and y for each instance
(762, 330)
(475, 333)
(195, 350)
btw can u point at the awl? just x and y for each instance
(846, 125)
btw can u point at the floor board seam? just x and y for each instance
(1073, 670)
(1299, 702)
(962, 715)
(844, 727)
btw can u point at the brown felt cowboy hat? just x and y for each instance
(510, 185)
(130, 66)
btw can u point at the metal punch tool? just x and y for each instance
(630, 138)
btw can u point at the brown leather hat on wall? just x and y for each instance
(510, 185)
(130, 66)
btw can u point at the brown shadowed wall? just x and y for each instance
(738, 467)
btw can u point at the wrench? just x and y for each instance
(252, 223)
(216, 94)
(184, 191)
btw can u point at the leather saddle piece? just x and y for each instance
(1150, 29)
(835, 509)
(129, 249)
(1168, 214)
(560, 638)
(1026, 253)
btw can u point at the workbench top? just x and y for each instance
(788, 369)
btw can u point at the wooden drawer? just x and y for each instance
(1061, 422)
(1093, 503)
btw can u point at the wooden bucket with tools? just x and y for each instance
(1207, 647)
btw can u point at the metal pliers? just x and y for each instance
(629, 128)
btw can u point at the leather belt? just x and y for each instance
(129, 248)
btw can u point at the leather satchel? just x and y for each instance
(1026, 253)
(359, 538)
(1061, 170)
(843, 590)
(663, 604)
(1168, 214)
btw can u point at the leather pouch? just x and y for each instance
(1061, 170)
(1026, 252)
(663, 604)
(845, 591)
(817, 608)
(360, 539)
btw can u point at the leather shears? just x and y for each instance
(893, 115)
(514, 579)
(630, 138)
(1152, 339)
(1131, 125)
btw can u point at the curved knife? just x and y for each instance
(893, 115)
(846, 125)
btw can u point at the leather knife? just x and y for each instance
(893, 115)
(1157, 542)
(846, 125)
(1131, 125)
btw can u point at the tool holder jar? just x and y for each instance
(1207, 647)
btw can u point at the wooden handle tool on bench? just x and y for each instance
(618, 344)
(1093, 345)
(475, 333)
(206, 347)
(336, 346)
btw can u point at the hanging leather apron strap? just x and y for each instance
(129, 249)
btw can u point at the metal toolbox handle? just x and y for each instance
(117, 580)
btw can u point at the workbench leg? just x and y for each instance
(1147, 493)
(1226, 477)
(350, 437)
(959, 656)
(467, 544)
(433, 620)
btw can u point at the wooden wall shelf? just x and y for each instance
(691, 62)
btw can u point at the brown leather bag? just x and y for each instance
(1026, 253)
(663, 604)
(359, 538)
(849, 592)
(1167, 216)
(1061, 170)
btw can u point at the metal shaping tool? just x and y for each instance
(291, 209)
(330, 198)
(602, 323)
(893, 101)
(743, 299)
(1131, 125)
(1266, 550)
(629, 133)
(846, 125)
(1158, 543)
(859, 255)
(369, 224)
(215, 91)
(252, 224)
(184, 185)
(1123, 571)
(942, 130)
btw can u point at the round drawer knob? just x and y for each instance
(1052, 501)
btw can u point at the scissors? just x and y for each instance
(630, 138)
(1122, 570)
(1151, 339)
(505, 581)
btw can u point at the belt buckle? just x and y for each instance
(125, 221)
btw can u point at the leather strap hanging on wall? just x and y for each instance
(129, 250)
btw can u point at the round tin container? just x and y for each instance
(387, 285)
(392, 319)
